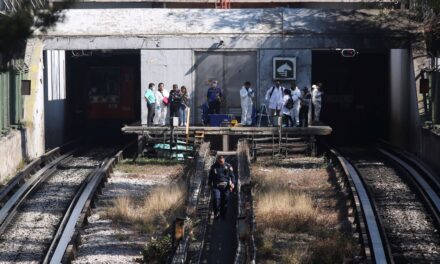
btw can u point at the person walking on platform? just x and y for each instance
(150, 98)
(214, 96)
(316, 101)
(246, 95)
(304, 108)
(175, 101)
(287, 108)
(296, 94)
(184, 105)
(221, 181)
(274, 99)
(161, 105)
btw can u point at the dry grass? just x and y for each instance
(299, 204)
(285, 210)
(158, 209)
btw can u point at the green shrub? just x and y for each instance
(158, 250)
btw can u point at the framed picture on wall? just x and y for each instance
(284, 68)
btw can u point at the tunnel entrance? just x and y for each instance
(356, 92)
(101, 94)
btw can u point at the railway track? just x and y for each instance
(41, 207)
(398, 205)
(218, 241)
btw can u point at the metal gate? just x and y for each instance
(231, 69)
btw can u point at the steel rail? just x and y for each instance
(30, 169)
(376, 236)
(71, 222)
(423, 180)
(70, 226)
(68, 213)
(8, 211)
(27, 171)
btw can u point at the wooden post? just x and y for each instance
(188, 111)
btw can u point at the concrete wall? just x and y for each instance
(177, 66)
(303, 70)
(167, 66)
(430, 149)
(11, 154)
(400, 98)
(34, 104)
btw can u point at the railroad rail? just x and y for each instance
(404, 198)
(423, 178)
(68, 181)
(372, 234)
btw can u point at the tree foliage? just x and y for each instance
(20, 20)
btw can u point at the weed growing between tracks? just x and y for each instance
(134, 213)
(298, 213)
(158, 209)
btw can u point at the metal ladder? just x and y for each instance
(263, 113)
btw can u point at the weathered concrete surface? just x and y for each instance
(168, 66)
(33, 118)
(147, 22)
(10, 153)
(281, 28)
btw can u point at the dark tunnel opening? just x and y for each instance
(356, 94)
(103, 93)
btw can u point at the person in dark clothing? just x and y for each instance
(175, 101)
(305, 98)
(214, 96)
(221, 180)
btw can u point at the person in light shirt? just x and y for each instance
(246, 95)
(161, 106)
(274, 99)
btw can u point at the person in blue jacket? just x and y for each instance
(214, 97)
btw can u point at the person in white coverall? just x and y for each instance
(246, 96)
(316, 101)
(296, 94)
(161, 105)
(274, 99)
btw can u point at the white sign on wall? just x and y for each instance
(284, 68)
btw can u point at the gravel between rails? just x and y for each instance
(30, 233)
(107, 242)
(410, 229)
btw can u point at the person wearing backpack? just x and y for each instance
(162, 103)
(287, 108)
(274, 99)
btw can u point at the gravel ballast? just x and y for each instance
(30, 233)
(409, 227)
(106, 241)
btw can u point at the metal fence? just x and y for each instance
(11, 100)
